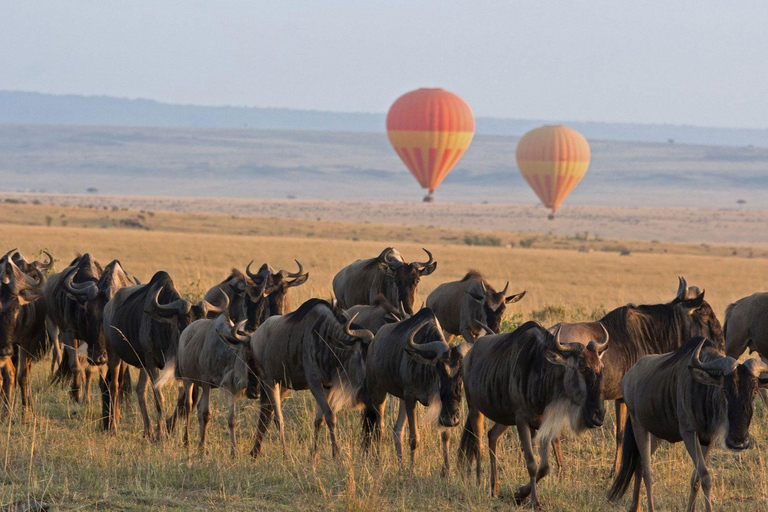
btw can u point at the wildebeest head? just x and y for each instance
(738, 384)
(179, 311)
(279, 283)
(432, 349)
(26, 266)
(406, 276)
(237, 338)
(93, 296)
(16, 289)
(583, 375)
(489, 303)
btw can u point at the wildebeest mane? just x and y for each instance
(235, 274)
(428, 333)
(472, 274)
(708, 352)
(303, 310)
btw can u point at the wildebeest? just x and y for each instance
(315, 347)
(697, 395)
(470, 306)
(379, 313)
(280, 282)
(388, 274)
(746, 327)
(530, 379)
(214, 354)
(411, 360)
(67, 322)
(17, 291)
(246, 295)
(636, 331)
(142, 324)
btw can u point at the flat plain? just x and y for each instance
(58, 454)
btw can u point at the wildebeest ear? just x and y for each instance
(415, 355)
(691, 305)
(384, 267)
(555, 358)
(425, 271)
(477, 297)
(706, 378)
(514, 298)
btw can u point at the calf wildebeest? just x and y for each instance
(315, 347)
(388, 274)
(142, 324)
(697, 395)
(17, 291)
(412, 361)
(213, 354)
(67, 322)
(470, 306)
(530, 379)
(379, 313)
(746, 327)
(93, 297)
(641, 330)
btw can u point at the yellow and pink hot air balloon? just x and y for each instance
(430, 129)
(553, 159)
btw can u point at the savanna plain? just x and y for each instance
(58, 454)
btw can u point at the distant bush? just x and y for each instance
(485, 240)
(11, 200)
(527, 242)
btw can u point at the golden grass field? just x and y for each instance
(58, 455)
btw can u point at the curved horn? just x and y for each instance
(601, 346)
(682, 288)
(504, 291)
(291, 274)
(438, 347)
(756, 367)
(720, 366)
(8, 254)
(44, 266)
(181, 306)
(426, 263)
(488, 330)
(558, 345)
(25, 282)
(393, 263)
(364, 335)
(250, 274)
(87, 290)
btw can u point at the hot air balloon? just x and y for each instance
(553, 159)
(430, 129)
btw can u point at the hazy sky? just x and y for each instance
(681, 62)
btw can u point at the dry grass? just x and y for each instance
(58, 455)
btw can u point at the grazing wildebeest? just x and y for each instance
(315, 347)
(17, 291)
(93, 297)
(746, 327)
(470, 306)
(641, 330)
(388, 274)
(67, 322)
(246, 295)
(530, 379)
(411, 360)
(142, 324)
(697, 395)
(214, 354)
(379, 313)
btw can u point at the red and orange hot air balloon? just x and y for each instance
(553, 159)
(430, 129)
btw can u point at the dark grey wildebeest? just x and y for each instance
(411, 361)
(246, 295)
(280, 282)
(530, 379)
(379, 313)
(641, 330)
(697, 395)
(214, 354)
(18, 290)
(388, 274)
(315, 347)
(142, 324)
(746, 327)
(67, 323)
(470, 306)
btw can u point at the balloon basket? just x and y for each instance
(551, 216)
(429, 199)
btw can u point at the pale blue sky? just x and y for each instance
(681, 62)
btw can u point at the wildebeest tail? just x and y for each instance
(167, 374)
(370, 419)
(469, 446)
(630, 464)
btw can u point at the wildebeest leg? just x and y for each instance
(524, 432)
(53, 336)
(278, 405)
(86, 391)
(493, 438)
(621, 418)
(321, 397)
(180, 411)
(112, 398)
(265, 416)
(231, 401)
(543, 468)
(445, 438)
(373, 419)
(700, 471)
(9, 382)
(319, 420)
(413, 426)
(25, 367)
(141, 394)
(557, 448)
(399, 430)
(189, 388)
(204, 415)
(70, 346)
(159, 404)
(643, 441)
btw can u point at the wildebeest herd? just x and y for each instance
(670, 368)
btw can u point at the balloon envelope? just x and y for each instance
(553, 159)
(430, 129)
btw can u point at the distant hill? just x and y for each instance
(34, 108)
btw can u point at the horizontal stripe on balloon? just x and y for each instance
(550, 168)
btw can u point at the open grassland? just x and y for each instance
(59, 455)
